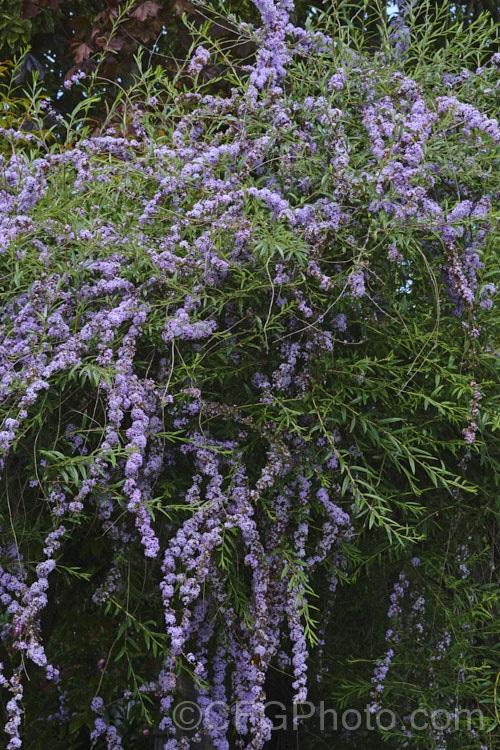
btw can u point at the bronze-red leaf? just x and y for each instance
(145, 10)
(81, 51)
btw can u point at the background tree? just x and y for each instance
(70, 35)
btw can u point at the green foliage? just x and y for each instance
(14, 31)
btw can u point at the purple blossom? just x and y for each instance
(198, 61)
(357, 282)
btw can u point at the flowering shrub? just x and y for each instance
(248, 357)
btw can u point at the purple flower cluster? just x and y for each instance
(102, 728)
(13, 708)
(469, 432)
(68, 83)
(392, 637)
(198, 61)
(400, 25)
